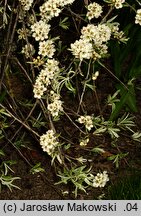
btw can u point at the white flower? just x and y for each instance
(118, 3)
(23, 33)
(92, 43)
(49, 142)
(119, 35)
(84, 142)
(81, 119)
(52, 8)
(94, 10)
(30, 19)
(52, 65)
(95, 75)
(49, 10)
(100, 179)
(46, 48)
(56, 106)
(39, 89)
(45, 77)
(82, 49)
(40, 30)
(28, 50)
(89, 32)
(138, 17)
(102, 50)
(26, 4)
(97, 34)
(38, 61)
(65, 2)
(41, 83)
(104, 33)
(87, 121)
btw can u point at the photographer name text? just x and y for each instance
(68, 207)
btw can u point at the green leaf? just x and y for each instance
(37, 168)
(2, 152)
(66, 147)
(3, 112)
(127, 98)
(98, 150)
(115, 53)
(70, 87)
(2, 96)
(92, 87)
(64, 23)
(131, 97)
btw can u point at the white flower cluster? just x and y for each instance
(26, 4)
(82, 49)
(98, 34)
(94, 10)
(46, 48)
(49, 142)
(87, 121)
(138, 17)
(44, 79)
(56, 106)
(119, 35)
(84, 142)
(30, 19)
(23, 33)
(92, 43)
(118, 3)
(100, 179)
(40, 30)
(38, 61)
(28, 50)
(52, 8)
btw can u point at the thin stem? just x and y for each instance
(109, 12)
(27, 41)
(10, 42)
(16, 149)
(97, 100)
(76, 15)
(113, 75)
(84, 88)
(22, 68)
(73, 122)
(18, 120)
(49, 116)
(25, 120)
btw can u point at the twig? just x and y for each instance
(22, 68)
(76, 15)
(49, 116)
(105, 17)
(10, 42)
(5, 136)
(27, 41)
(84, 88)
(73, 122)
(25, 120)
(113, 75)
(97, 100)
(18, 120)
